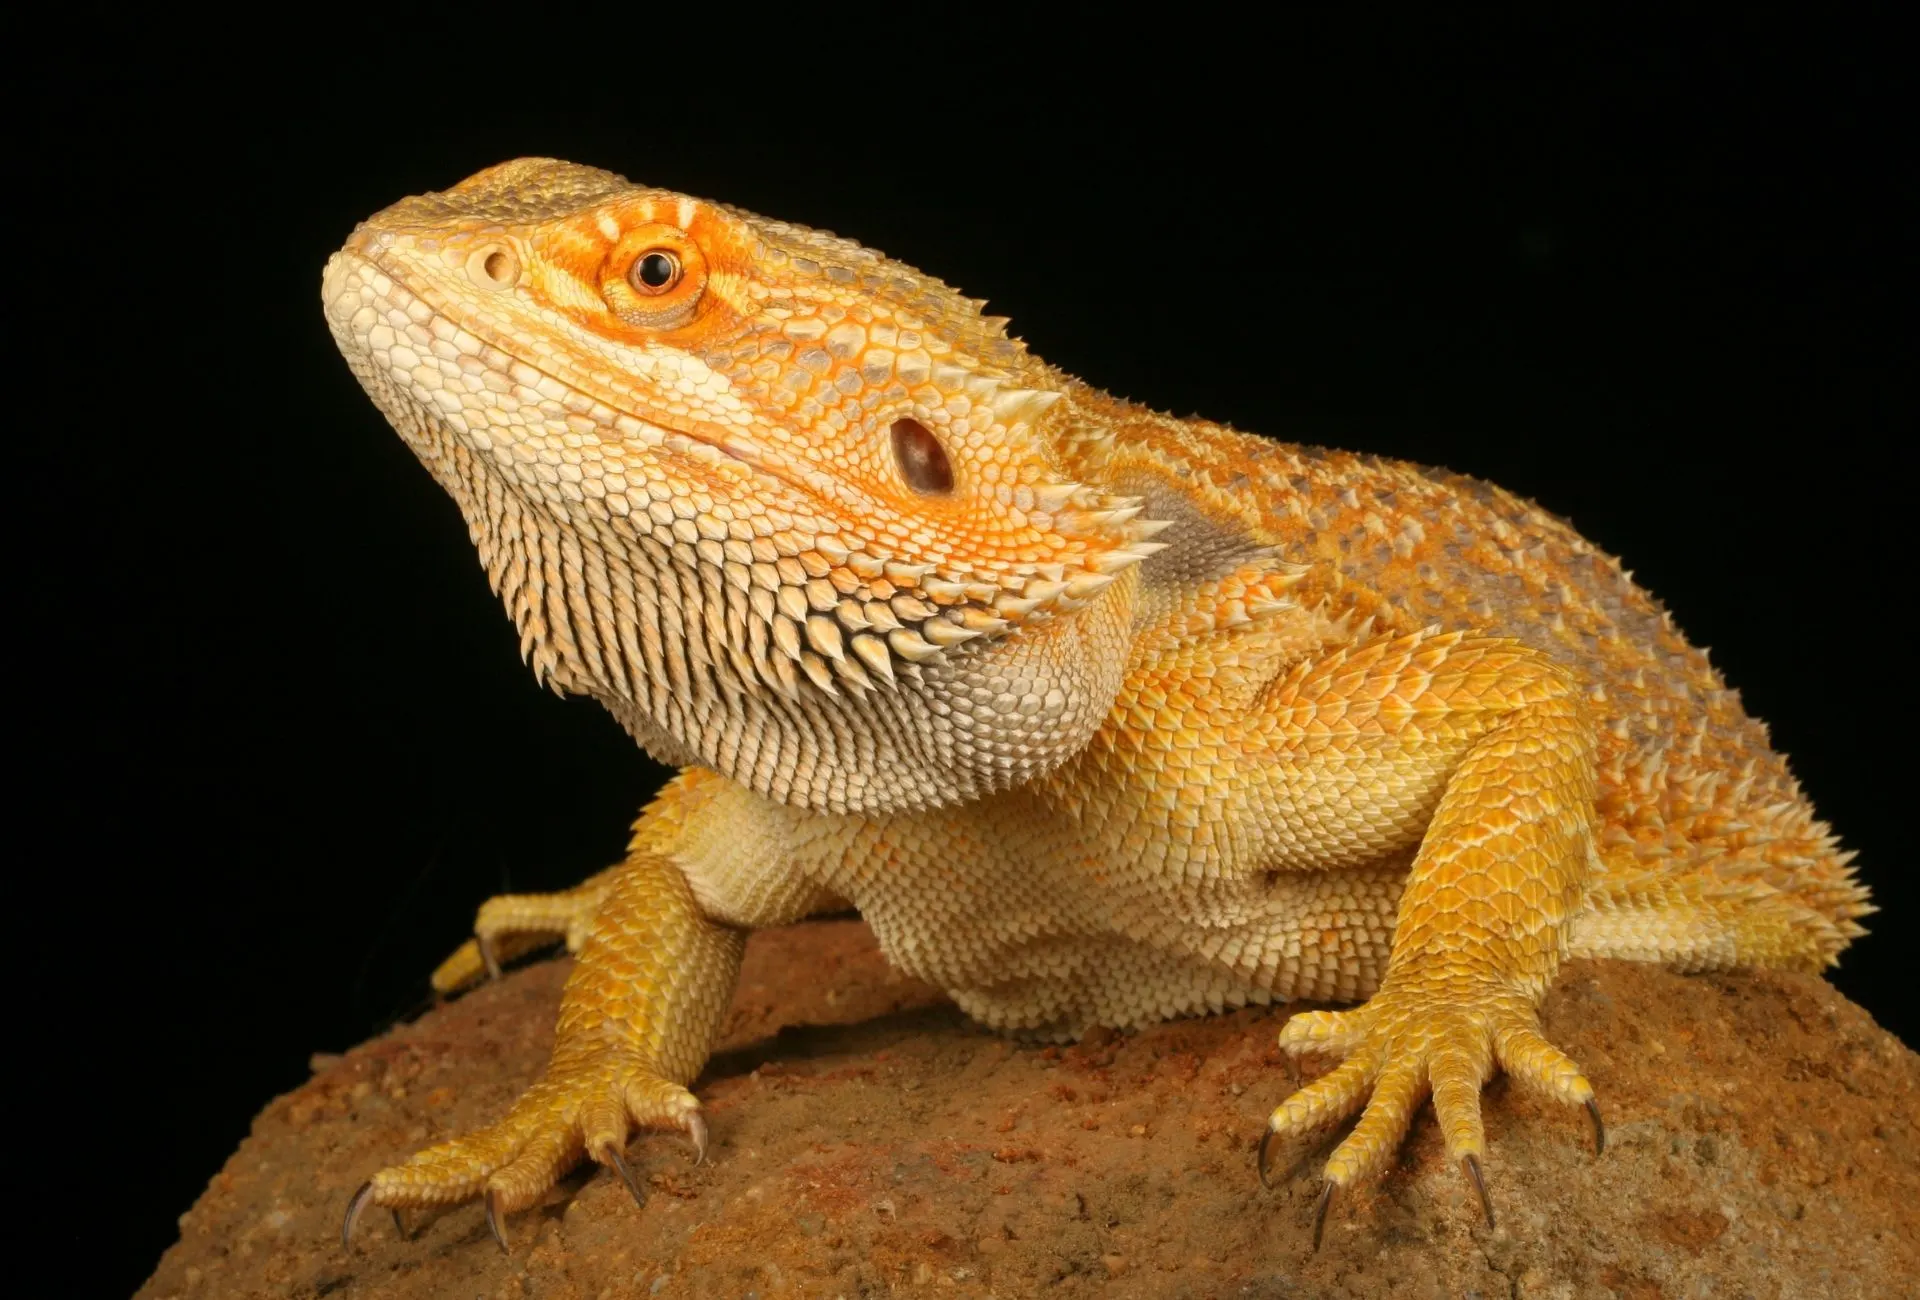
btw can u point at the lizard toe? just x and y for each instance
(1324, 1102)
(509, 926)
(1540, 1067)
(1337, 1032)
(1397, 1093)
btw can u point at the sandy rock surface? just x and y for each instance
(1764, 1140)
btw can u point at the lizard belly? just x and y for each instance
(1032, 924)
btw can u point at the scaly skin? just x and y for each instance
(1097, 716)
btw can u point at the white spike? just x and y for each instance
(831, 548)
(748, 674)
(816, 668)
(1087, 585)
(850, 672)
(947, 593)
(881, 615)
(1013, 406)
(1052, 497)
(873, 653)
(851, 616)
(823, 634)
(792, 602)
(821, 595)
(912, 608)
(789, 678)
(911, 646)
(1045, 592)
(944, 634)
(1108, 563)
(786, 635)
(975, 619)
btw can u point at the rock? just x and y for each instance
(868, 1140)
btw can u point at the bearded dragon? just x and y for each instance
(1097, 716)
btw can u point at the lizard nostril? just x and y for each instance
(923, 462)
(493, 267)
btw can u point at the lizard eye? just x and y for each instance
(653, 277)
(923, 463)
(655, 271)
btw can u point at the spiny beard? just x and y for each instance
(669, 648)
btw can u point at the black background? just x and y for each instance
(1656, 277)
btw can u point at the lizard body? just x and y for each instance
(1096, 715)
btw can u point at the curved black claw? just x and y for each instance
(1320, 1213)
(1264, 1161)
(488, 957)
(493, 1220)
(354, 1206)
(619, 1163)
(1471, 1164)
(1599, 1127)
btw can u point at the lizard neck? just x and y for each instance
(657, 635)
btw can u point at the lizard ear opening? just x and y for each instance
(923, 462)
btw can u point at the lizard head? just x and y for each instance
(790, 509)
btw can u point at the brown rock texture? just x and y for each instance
(1764, 1140)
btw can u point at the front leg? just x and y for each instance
(637, 1020)
(653, 981)
(1483, 921)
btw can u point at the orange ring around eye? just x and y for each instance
(649, 252)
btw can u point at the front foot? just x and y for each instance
(511, 925)
(587, 1104)
(1437, 1035)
